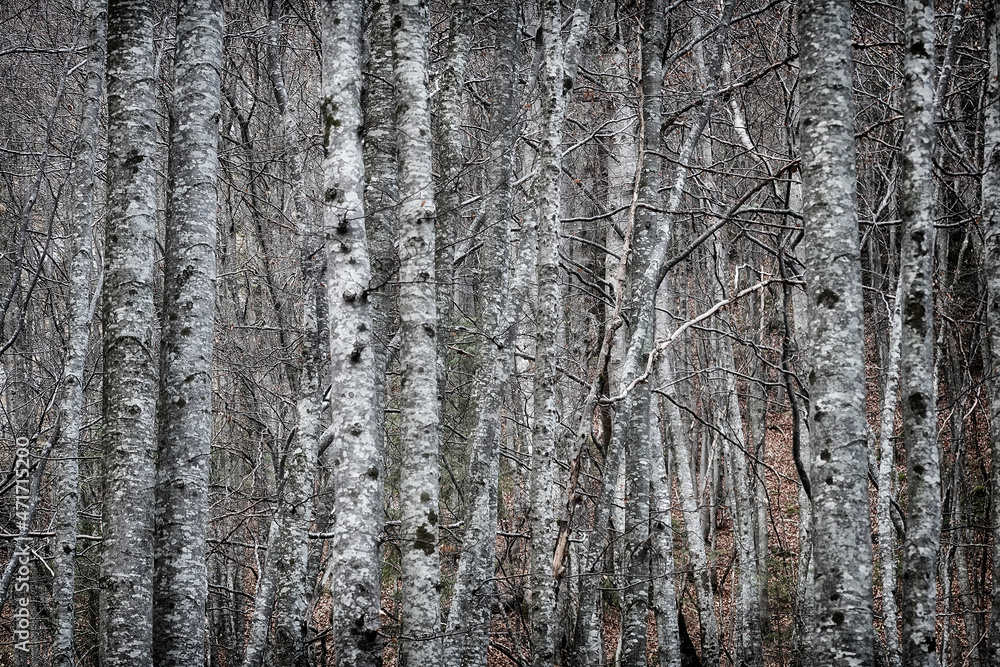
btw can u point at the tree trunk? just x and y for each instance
(356, 450)
(468, 629)
(129, 383)
(886, 476)
(292, 551)
(80, 316)
(420, 612)
(991, 251)
(558, 71)
(842, 534)
(662, 569)
(180, 582)
(917, 385)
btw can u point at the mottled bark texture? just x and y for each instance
(842, 536)
(356, 456)
(991, 249)
(647, 230)
(466, 640)
(541, 583)
(71, 397)
(917, 386)
(555, 83)
(129, 383)
(420, 608)
(180, 581)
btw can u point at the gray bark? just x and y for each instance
(449, 154)
(691, 511)
(886, 476)
(80, 316)
(991, 250)
(917, 386)
(556, 77)
(467, 636)
(129, 383)
(291, 551)
(180, 579)
(663, 599)
(644, 242)
(748, 642)
(356, 450)
(843, 628)
(420, 610)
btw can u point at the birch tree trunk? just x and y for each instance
(842, 536)
(357, 460)
(917, 385)
(80, 316)
(180, 580)
(468, 629)
(991, 250)
(129, 383)
(420, 612)
(645, 238)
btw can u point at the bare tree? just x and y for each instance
(71, 407)
(129, 407)
(421, 574)
(841, 534)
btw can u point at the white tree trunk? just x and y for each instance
(917, 382)
(886, 476)
(356, 450)
(420, 612)
(555, 79)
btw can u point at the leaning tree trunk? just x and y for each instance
(80, 315)
(843, 628)
(356, 456)
(917, 387)
(467, 637)
(180, 581)
(420, 609)
(991, 251)
(129, 383)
